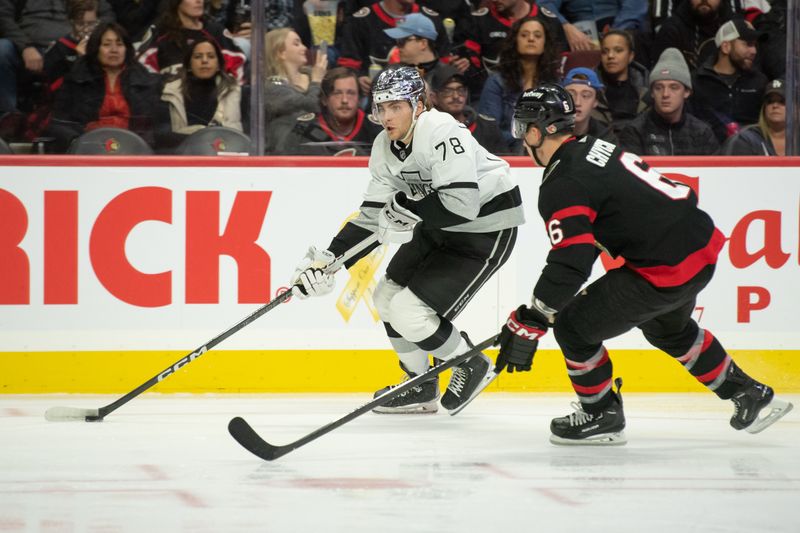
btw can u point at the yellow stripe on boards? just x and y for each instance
(340, 371)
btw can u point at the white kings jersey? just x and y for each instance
(453, 182)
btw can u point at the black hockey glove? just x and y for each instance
(519, 339)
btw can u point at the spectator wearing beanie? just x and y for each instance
(667, 128)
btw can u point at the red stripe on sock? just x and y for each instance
(591, 390)
(581, 366)
(708, 338)
(711, 376)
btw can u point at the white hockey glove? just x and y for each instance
(309, 279)
(395, 222)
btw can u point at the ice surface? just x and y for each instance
(167, 463)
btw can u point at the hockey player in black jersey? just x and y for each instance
(454, 209)
(596, 197)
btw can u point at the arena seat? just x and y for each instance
(110, 141)
(215, 140)
(5, 148)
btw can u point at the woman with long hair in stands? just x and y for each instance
(292, 88)
(768, 136)
(626, 80)
(528, 56)
(105, 88)
(201, 95)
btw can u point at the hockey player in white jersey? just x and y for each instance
(454, 209)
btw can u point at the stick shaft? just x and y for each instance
(185, 360)
(249, 439)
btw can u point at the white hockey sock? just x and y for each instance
(448, 352)
(412, 357)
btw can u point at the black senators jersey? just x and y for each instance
(490, 28)
(313, 135)
(364, 41)
(596, 197)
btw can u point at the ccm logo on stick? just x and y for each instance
(185, 361)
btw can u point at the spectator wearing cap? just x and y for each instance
(416, 38)
(667, 128)
(768, 136)
(449, 94)
(591, 111)
(728, 90)
(364, 43)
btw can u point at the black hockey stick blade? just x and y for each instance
(252, 441)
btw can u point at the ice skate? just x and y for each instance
(468, 380)
(756, 407)
(593, 429)
(424, 398)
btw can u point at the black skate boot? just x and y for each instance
(468, 380)
(424, 398)
(756, 408)
(603, 428)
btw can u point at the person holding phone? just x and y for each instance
(60, 57)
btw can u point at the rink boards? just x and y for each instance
(114, 268)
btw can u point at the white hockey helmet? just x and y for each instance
(401, 83)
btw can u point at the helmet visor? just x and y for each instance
(519, 127)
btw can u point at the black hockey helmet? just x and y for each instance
(549, 107)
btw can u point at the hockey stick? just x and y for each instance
(63, 414)
(252, 442)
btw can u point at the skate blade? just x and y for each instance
(775, 410)
(604, 439)
(414, 409)
(485, 382)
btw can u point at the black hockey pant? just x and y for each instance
(620, 301)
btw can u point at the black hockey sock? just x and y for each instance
(591, 379)
(708, 362)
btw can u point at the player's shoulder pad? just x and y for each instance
(438, 124)
(363, 12)
(547, 13)
(487, 117)
(308, 117)
(430, 12)
(372, 118)
(480, 12)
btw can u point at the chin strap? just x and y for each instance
(410, 132)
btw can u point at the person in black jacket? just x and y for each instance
(596, 197)
(667, 128)
(340, 128)
(105, 88)
(449, 94)
(727, 89)
(692, 29)
(62, 54)
(768, 137)
(181, 23)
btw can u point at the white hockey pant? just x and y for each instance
(421, 330)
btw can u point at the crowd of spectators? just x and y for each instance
(666, 77)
